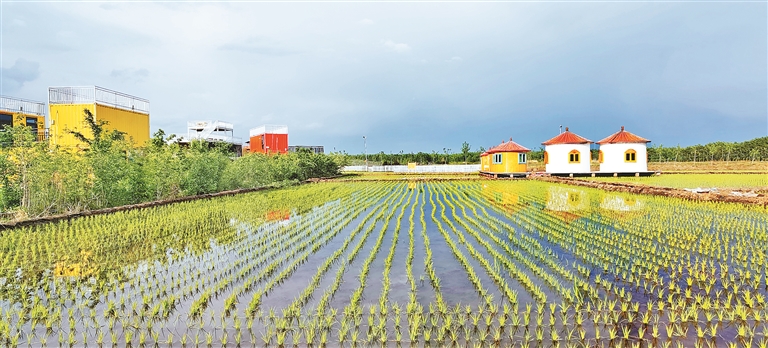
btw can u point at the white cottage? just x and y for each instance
(623, 152)
(567, 153)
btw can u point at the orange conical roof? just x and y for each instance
(567, 138)
(623, 136)
(511, 146)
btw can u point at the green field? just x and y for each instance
(523, 263)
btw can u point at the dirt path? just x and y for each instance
(724, 196)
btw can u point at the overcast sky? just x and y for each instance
(410, 76)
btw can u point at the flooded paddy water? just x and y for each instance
(503, 263)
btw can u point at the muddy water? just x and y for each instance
(285, 293)
(399, 285)
(373, 285)
(454, 283)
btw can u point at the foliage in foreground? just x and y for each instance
(38, 179)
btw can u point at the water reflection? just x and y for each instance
(566, 199)
(278, 215)
(565, 203)
(622, 204)
(508, 200)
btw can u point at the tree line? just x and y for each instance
(751, 150)
(106, 171)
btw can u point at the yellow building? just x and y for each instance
(123, 112)
(508, 158)
(19, 112)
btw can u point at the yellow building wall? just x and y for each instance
(485, 162)
(66, 117)
(23, 121)
(135, 125)
(508, 163)
(20, 119)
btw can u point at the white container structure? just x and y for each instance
(567, 153)
(212, 131)
(623, 152)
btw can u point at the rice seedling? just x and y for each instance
(671, 269)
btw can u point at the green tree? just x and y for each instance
(465, 150)
(102, 138)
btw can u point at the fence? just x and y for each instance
(96, 94)
(23, 106)
(450, 168)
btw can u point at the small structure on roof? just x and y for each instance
(623, 152)
(567, 153)
(506, 159)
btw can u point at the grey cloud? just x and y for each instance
(130, 74)
(259, 45)
(21, 72)
(523, 70)
(109, 6)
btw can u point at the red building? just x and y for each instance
(269, 139)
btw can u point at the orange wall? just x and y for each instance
(272, 143)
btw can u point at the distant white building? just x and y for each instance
(213, 132)
(623, 152)
(313, 149)
(567, 153)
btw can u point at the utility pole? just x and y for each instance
(365, 144)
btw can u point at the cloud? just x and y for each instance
(130, 74)
(109, 7)
(21, 72)
(259, 45)
(397, 47)
(366, 21)
(455, 59)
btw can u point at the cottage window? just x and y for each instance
(521, 158)
(546, 158)
(630, 156)
(497, 158)
(600, 156)
(573, 157)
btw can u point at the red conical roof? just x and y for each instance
(623, 136)
(511, 146)
(567, 138)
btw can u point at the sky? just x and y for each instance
(409, 76)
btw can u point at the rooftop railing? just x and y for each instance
(24, 106)
(98, 95)
(269, 129)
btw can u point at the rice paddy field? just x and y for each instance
(720, 181)
(450, 263)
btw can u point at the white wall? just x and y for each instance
(558, 158)
(613, 158)
(451, 168)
